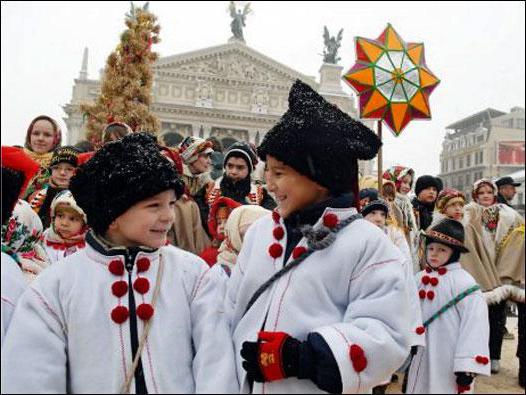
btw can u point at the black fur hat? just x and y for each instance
(320, 141)
(448, 232)
(376, 205)
(424, 182)
(121, 174)
(244, 151)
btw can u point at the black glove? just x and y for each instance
(464, 381)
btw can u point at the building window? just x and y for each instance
(520, 197)
(468, 160)
(480, 138)
(481, 157)
(460, 163)
(520, 123)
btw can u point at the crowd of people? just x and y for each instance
(147, 268)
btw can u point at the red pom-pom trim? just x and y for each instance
(119, 288)
(426, 280)
(145, 311)
(434, 281)
(422, 294)
(120, 314)
(278, 233)
(428, 270)
(116, 267)
(482, 360)
(442, 271)
(359, 362)
(298, 251)
(420, 330)
(143, 264)
(463, 388)
(276, 217)
(275, 250)
(330, 220)
(141, 285)
(430, 295)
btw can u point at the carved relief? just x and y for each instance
(260, 100)
(204, 94)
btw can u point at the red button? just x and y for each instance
(116, 267)
(275, 250)
(143, 264)
(120, 314)
(119, 288)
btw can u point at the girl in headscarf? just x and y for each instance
(403, 178)
(22, 240)
(42, 137)
(495, 239)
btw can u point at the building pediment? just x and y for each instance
(234, 62)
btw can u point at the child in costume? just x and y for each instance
(456, 318)
(317, 297)
(67, 233)
(218, 216)
(63, 165)
(127, 313)
(450, 204)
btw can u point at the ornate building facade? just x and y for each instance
(230, 91)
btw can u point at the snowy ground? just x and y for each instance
(505, 382)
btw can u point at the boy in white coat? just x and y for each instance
(127, 313)
(317, 297)
(456, 318)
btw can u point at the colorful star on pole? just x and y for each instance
(392, 80)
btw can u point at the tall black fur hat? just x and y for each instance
(320, 141)
(121, 174)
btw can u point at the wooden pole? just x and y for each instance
(380, 159)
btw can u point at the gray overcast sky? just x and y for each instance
(477, 49)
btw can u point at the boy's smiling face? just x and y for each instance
(293, 191)
(146, 223)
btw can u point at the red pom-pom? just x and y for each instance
(145, 311)
(120, 314)
(430, 295)
(330, 220)
(275, 250)
(442, 271)
(463, 388)
(298, 251)
(143, 264)
(119, 288)
(276, 217)
(482, 360)
(434, 281)
(116, 267)
(359, 362)
(420, 330)
(426, 280)
(428, 270)
(141, 285)
(278, 233)
(422, 294)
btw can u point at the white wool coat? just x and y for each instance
(63, 334)
(353, 292)
(455, 339)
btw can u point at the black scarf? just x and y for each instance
(425, 211)
(237, 191)
(309, 216)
